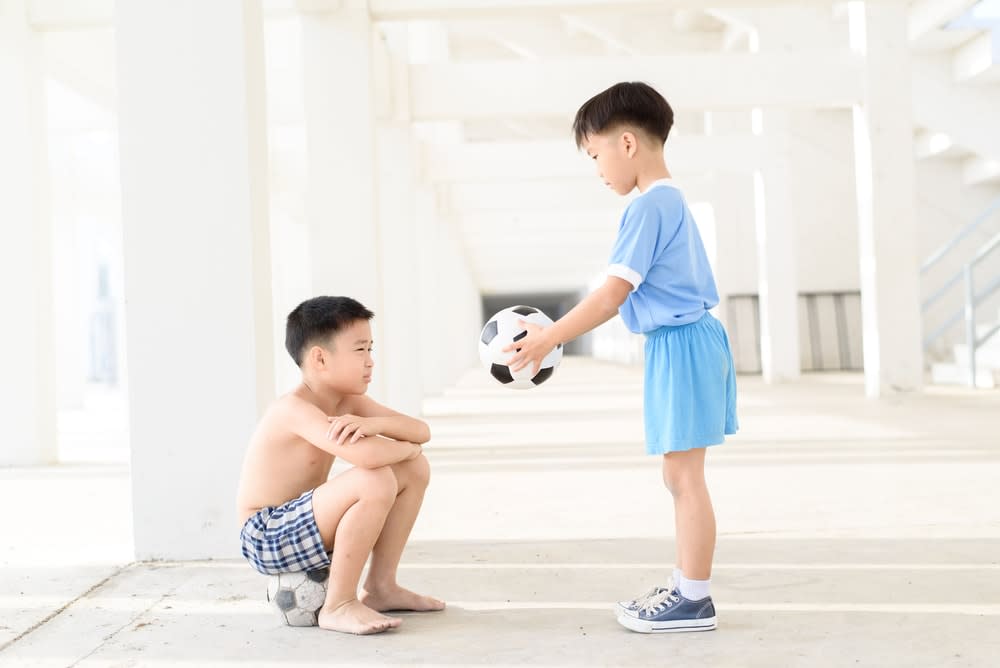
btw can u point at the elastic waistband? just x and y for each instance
(670, 329)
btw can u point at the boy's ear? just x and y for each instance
(629, 142)
(317, 356)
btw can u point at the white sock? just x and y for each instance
(693, 590)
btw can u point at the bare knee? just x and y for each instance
(378, 485)
(682, 479)
(418, 472)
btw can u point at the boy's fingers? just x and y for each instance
(348, 430)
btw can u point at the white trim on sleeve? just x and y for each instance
(626, 273)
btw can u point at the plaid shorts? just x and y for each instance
(284, 539)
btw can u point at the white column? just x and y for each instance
(434, 320)
(883, 136)
(400, 280)
(779, 30)
(452, 325)
(340, 139)
(28, 388)
(458, 294)
(777, 277)
(193, 158)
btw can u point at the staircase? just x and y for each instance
(971, 329)
(956, 75)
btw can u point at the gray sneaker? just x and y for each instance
(632, 607)
(669, 612)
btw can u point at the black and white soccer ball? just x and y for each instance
(298, 596)
(503, 329)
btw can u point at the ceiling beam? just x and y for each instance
(524, 161)
(928, 15)
(978, 59)
(412, 10)
(963, 118)
(466, 91)
(582, 193)
(978, 170)
(70, 14)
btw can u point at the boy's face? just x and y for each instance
(347, 363)
(613, 151)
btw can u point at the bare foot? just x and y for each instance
(395, 597)
(355, 617)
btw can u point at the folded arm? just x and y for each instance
(310, 423)
(387, 422)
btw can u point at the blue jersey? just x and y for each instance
(660, 252)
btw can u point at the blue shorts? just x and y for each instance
(285, 538)
(690, 387)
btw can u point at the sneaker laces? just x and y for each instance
(659, 603)
(641, 599)
(653, 592)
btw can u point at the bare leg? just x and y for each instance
(381, 591)
(350, 512)
(678, 548)
(684, 476)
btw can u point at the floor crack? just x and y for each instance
(55, 613)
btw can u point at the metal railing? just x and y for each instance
(972, 298)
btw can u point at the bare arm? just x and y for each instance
(309, 422)
(596, 309)
(379, 419)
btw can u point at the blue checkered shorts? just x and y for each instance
(284, 539)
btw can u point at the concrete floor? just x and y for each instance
(851, 533)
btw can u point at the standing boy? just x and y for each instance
(660, 282)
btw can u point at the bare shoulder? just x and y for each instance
(281, 415)
(288, 404)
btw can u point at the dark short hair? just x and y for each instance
(630, 102)
(318, 319)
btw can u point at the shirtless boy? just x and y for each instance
(296, 519)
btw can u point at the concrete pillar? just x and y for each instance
(775, 211)
(777, 276)
(434, 320)
(450, 312)
(28, 390)
(883, 136)
(340, 140)
(192, 138)
(459, 299)
(401, 255)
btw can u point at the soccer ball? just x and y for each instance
(298, 596)
(503, 329)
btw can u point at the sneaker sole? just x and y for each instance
(641, 626)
